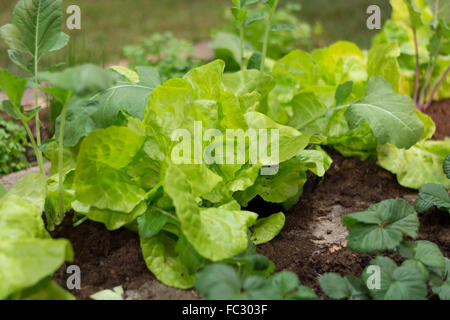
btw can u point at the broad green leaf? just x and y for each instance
(265, 229)
(81, 80)
(341, 62)
(343, 91)
(348, 287)
(382, 226)
(418, 165)
(205, 80)
(245, 82)
(385, 110)
(227, 47)
(151, 223)
(215, 233)
(114, 294)
(112, 220)
(429, 254)
(397, 283)
(308, 114)
(46, 289)
(13, 87)
(441, 283)
(432, 195)
(130, 75)
(35, 28)
(218, 281)
(100, 179)
(288, 287)
(32, 188)
(162, 260)
(299, 66)
(382, 61)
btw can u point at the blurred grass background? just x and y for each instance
(109, 25)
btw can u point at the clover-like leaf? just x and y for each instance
(395, 283)
(348, 287)
(382, 226)
(432, 195)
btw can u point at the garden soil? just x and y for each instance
(311, 243)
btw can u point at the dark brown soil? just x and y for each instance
(440, 112)
(109, 259)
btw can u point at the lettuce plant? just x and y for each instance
(29, 255)
(13, 143)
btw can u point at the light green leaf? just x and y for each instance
(32, 188)
(215, 233)
(114, 294)
(35, 28)
(382, 226)
(100, 180)
(265, 229)
(383, 61)
(13, 87)
(418, 165)
(385, 110)
(81, 80)
(46, 289)
(130, 75)
(162, 260)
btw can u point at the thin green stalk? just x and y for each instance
(241, 31)
(436, 88)
(61, 161)
(38, 122)
(34, 145)
(267, 34)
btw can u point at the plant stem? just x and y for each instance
(436, 88)
(61, 161)
(38, 122)
(416, 48)
(242, 38)
(34, 145)
(267, 34)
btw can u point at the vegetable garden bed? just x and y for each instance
(311, 243)
(175, 164)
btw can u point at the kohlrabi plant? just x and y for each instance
(390, 226)
(421, 30)
(35, 31)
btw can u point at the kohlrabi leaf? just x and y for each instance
(382, 226)
(417, 166)
(13, 87)
(100, 180)
(35, 28)
(348, 287)
(432, 195)
(265, 229)
(163, 261)
(215, 233)
(396, 283)
(385, 110)
(81, 80)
